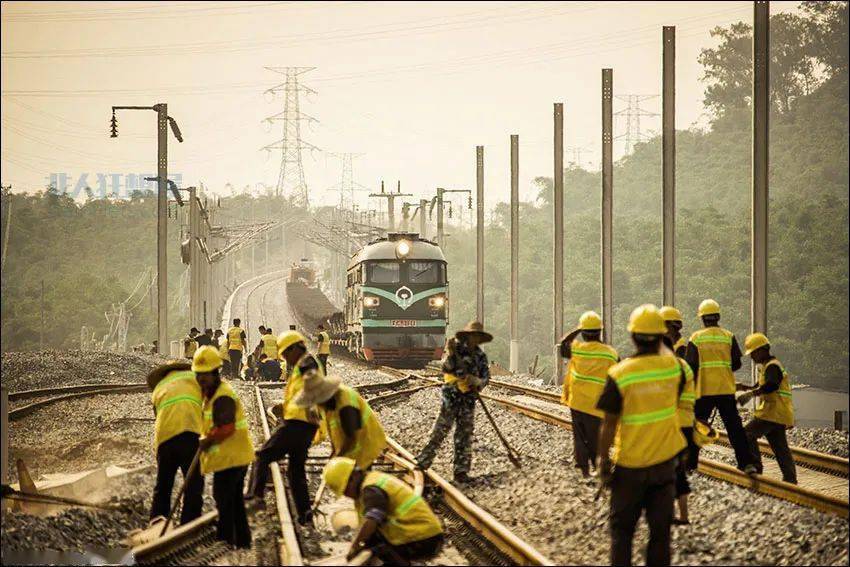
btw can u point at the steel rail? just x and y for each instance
(26, 410)
(26, 394)
(759, 483)
(832, 464)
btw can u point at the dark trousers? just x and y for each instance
(585, 437)
(177, 453)
(232, 520)
(235, 363)
(632, 492)
(728, 410)
(458, 410)
(683, 465)
(293, 438)
(775, 433)
(402, 554)
(323, 360)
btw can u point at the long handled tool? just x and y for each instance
(12, 494)
(513, 457)
(318, 498)
(186, 480)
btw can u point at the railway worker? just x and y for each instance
(220, 342)
(177, 404)
(688, 458)
(295, 435)
(323, 347)
(268, 343)
(226, 448)
(353, 428)
(640, 401)
(205, 338)
(714, 356)
(590, 360)
(236, 339)
(465, 372)
(190, 343)
(268, 368)
(396, 524)
(775, 411)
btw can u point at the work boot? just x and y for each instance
(461, 478)
(750, 470)
(307, 518)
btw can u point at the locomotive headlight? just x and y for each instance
(403, 249)
(370, 301)
(437, 301)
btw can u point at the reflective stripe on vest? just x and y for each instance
(294, 384)
(270, 346)
(409, 518)
(237, 449)
(586, 375)
(370, 440)
(688, 397)
(234, 335)
(777, 406)
(715, 361)
(648, 432)
(177, 399)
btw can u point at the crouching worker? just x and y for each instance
(396, 524)
(226, 449)
(177, 405)
(352, 426)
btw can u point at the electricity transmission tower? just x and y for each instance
(346, 186)
(576, 153)
(291, 176)
(633, 113)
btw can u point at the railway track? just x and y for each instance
(820, 489)
(52, 395)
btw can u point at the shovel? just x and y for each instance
(513, 457)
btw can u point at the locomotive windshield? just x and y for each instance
(424, 272)
(415, 272)
(384, 272)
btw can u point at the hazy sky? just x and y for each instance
(414, 87)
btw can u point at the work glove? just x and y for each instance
(744, 398)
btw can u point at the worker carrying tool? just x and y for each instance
(687, 461)
(236, 339)
(226, 448)
(640, 400)
(323, 344)
(353, 428)
(396, 524)
(714, 356)
(177, 401)
(465, 372)
(590, 360)
(190, 343)
(295, 435)
(774, 411)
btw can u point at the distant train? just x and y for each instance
(397, 301)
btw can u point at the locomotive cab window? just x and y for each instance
(384, 272)
(425, 272)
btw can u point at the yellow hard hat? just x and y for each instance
(337, 472)
(287, 339)
(647, 320)
(704, 434)
(708, 307)
(754, 342)
(670, 313)
(206, 359)
(590, 321)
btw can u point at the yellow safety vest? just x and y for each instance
(223, 351)
(234, 334)
(776, 406)
(586, 374)
(370, 440)
(325, 344)
(189, 347)
(235, 451)
(294, 384)
(409, 518)
(178, 400)
(687, 398)
(270, 346)
(715, 376)
(648, 431)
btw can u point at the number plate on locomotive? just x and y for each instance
(403, 323)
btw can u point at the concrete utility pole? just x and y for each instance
(441, 237)
(423, 222)
(514, 352)
(195, 280)
(390, 197)
(607, 204)
(760, 189)
(479, 233)
(558, 279)
(163, 121)
(668, 168)
(41, 329)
